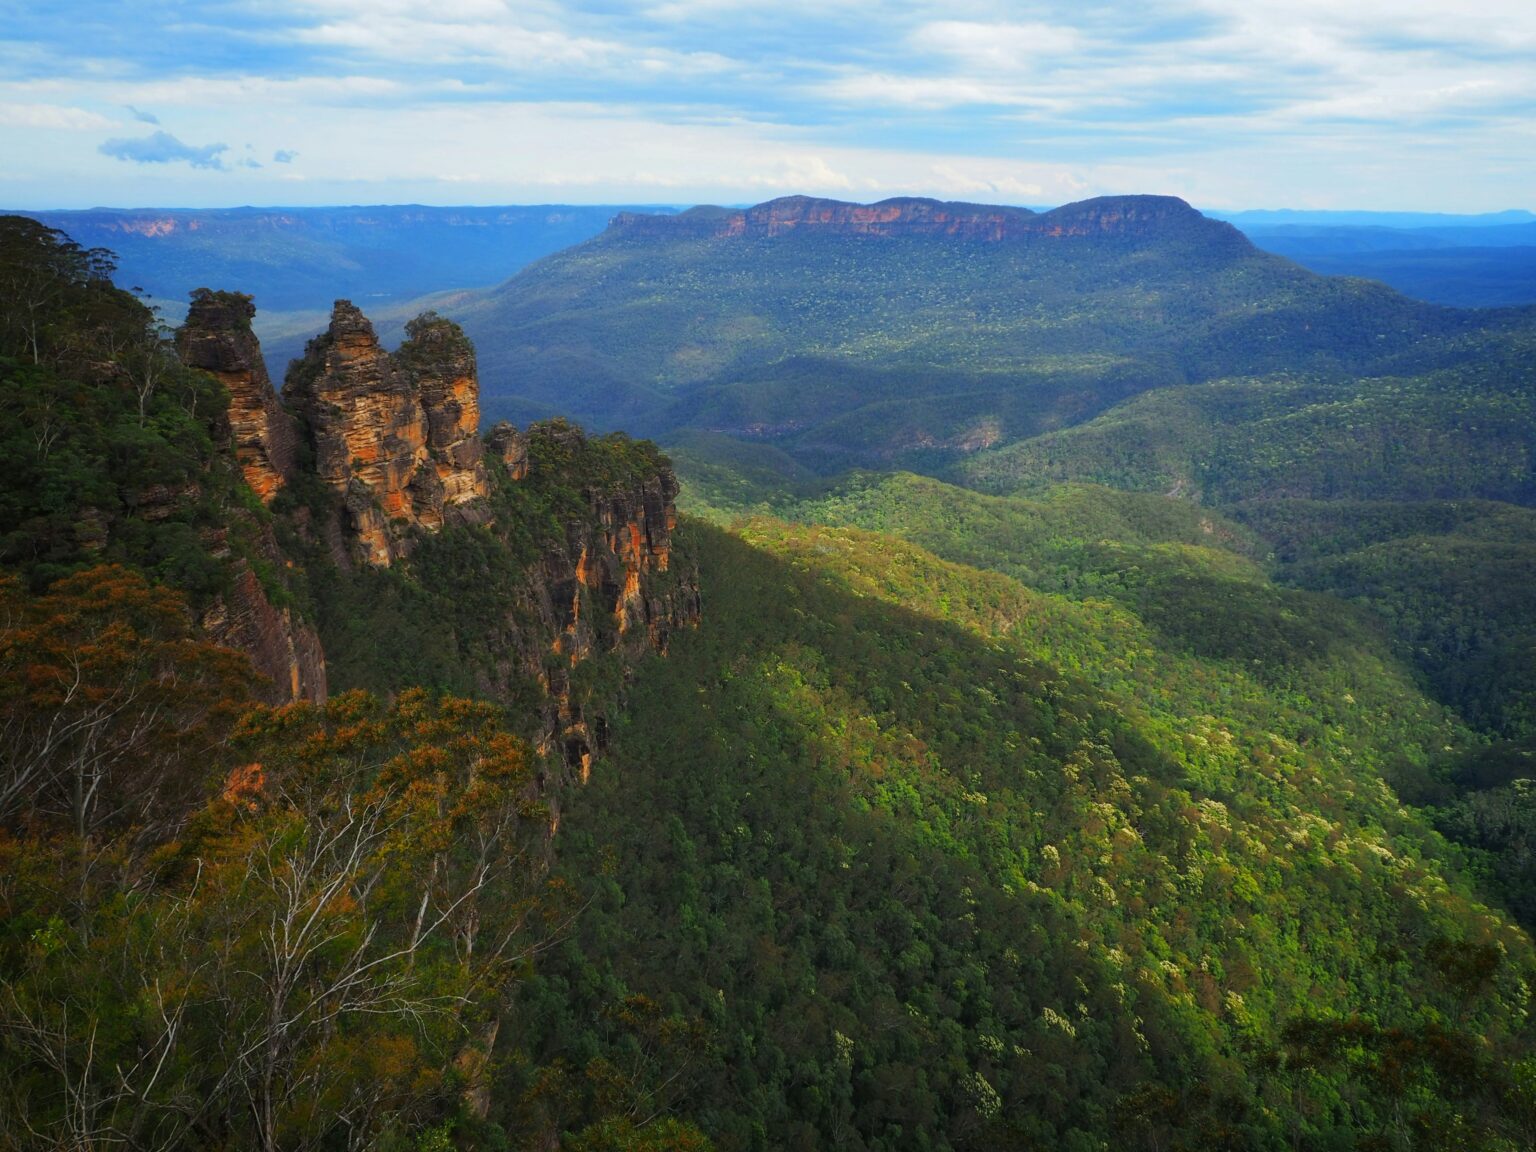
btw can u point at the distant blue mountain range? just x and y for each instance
(297, 259)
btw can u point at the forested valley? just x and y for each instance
(1106, 723)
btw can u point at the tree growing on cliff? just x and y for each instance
(319, 958)
(109, 705)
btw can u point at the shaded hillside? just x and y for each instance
(1011, 824)
(303, 258)
(898, 853)
(247, 903)
(917, 332)
(1443, 585)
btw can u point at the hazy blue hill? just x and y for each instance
(1461, 277)
(1463, 265)
(1254, 218)
(843, 345)
(305, 258)
(1462, 261)
(1338, 239)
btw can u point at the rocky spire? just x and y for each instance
(397, 435)
(218, 339)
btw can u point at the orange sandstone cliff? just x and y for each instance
(396, 435)
(217, 338)
(263, 438)
(393, 440)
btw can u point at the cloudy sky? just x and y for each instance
(1390, 104)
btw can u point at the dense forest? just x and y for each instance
(1065, 814)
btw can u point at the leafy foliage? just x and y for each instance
(847, 349)
(929, 888)
(108, 704)
(315, 957)
(106, 444)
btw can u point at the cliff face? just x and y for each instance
(898, 217)
(217, 338)
(282, 648)
(605, 567)
(1107, 216)
(395, 440)
(606, 587)
(396, 435)
(263, 439)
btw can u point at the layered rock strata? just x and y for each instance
(395, 435)
(610, 587)
(264, 441)
(217, 338)
(282, 648)
(511, 446)
(1107, 216)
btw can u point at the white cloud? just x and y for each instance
(952, 180)
(997, 47)
(932, 92)
(56, 117)
(1219, 100)
(493, 34)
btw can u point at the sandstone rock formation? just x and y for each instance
(264, 440)
(396, 435)
(282, 648)
(607, 569)
(217, 338)
(611, 588)
(395, 439)
(512, 447)
(905, 216)
(1106, 216)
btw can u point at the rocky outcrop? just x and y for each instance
(511, 447)
(396, 435)
(1107, 216)
(282, 648)
(217, 338)
(600, 582)
(610, 587)
(263, 440)
(906, 216)
(440, 362)
(1136, 218)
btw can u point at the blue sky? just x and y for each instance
(1389, 104)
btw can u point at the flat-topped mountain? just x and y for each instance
(918, 216)
(917, 330)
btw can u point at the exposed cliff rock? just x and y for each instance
(511, 446)
(603, 596)
(264, 441)
(217, 338)
(282, 648)
(1107, 216)
(599, 581)
(606, 586)
(396, 435)
(563, 546)
(904, 216)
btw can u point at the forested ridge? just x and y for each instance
(1056, 816)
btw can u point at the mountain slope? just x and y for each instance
(877, 869)
(303, 258)
(915, 331)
